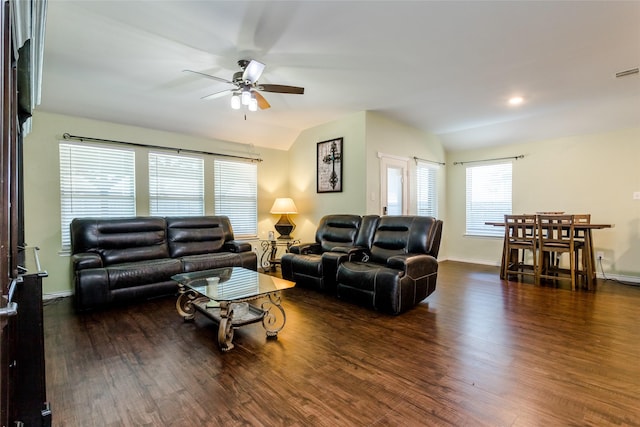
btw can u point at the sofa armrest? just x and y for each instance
(330, 263)
(414, 265)
(84, 260)
(235, 246)
(306, 248)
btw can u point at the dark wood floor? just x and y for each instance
(479, 351)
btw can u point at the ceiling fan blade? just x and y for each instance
(282, 89)
(262, 102)
(253, 71)
(218, 94)
(209, 76)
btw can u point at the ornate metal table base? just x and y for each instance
(272, 320)
(269, 258)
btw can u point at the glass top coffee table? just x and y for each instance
(232, 301)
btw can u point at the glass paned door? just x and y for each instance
(393, 186)
(394, 191)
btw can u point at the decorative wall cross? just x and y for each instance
(333, 157)
(329, 162)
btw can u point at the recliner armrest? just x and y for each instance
(346, 249)
(414, 265)
(235, 246)
(84, 260)
(354, 252)
(306, 248)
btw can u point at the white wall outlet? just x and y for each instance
(599, 255)
(636, 195)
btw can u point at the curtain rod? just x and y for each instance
(135, 144)
(521, 156)
(428, 161)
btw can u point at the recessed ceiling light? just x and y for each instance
(516, 100)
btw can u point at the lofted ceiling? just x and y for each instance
(446, 67)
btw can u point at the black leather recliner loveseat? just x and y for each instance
(120, 259)
(315, 264)
(390, 264)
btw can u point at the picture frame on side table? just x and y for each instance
(329, 166)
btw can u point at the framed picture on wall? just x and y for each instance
(329, 166)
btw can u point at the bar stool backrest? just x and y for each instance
(555, 231)
(520, 228)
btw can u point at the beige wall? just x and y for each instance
(365, 135)
(42, 185)
(302, 182)
(595, 174)
(591, 173)
(390, 137)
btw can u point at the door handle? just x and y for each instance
(10, 310)
(12, 307)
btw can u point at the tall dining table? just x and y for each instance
(584, 228)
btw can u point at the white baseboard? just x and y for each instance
(55, 295)
(492, 263)
(632, 280)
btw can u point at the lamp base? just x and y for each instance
(284, 227)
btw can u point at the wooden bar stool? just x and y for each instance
(555, 237)
(584, 251)
(519, 237)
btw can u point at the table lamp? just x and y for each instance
(284, 226)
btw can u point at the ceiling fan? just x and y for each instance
(246, 90)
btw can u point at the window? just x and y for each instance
(426, 190)
(176, 185)
(236, 195)
(95, 181)
(488, 197)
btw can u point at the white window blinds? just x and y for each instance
(236, 195)
(176, 185)
(426, 190)
(488, 197)
(95, 181)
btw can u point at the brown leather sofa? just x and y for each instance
(121, 259)
(386, 263)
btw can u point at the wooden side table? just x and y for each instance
(269, 258)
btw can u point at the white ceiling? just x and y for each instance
(445, 67)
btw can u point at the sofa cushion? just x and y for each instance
(120, 240)
(337, 230)
(307, 265)
(197, 235)
(219, 260)
(399, 235)
(141, 273)
(366, 276)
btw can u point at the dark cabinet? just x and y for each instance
(28, 364)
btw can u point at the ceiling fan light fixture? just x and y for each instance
(246, 97)
(246, 90)
(253, 104)
(235, 101)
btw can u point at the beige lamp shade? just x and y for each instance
(284, 226)
(284, 206)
